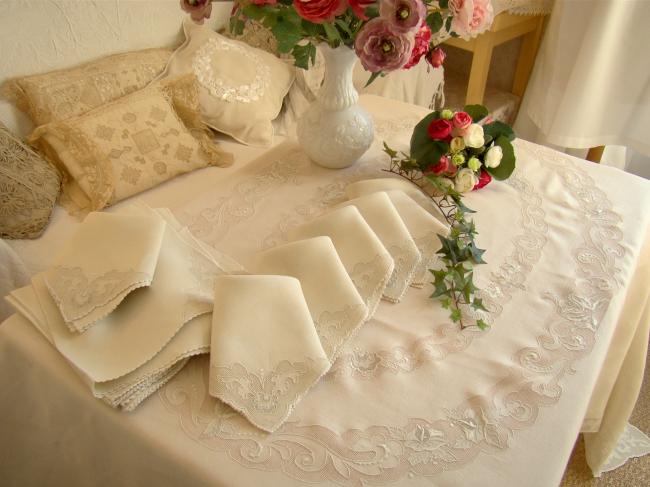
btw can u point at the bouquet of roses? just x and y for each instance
(386, 34)
(452, 153)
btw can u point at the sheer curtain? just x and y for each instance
(591, 81)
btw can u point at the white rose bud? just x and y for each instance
(474, 136)
(465, 180)
(493, 156)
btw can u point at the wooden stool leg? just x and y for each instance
(595, 154)
(526, 60)
(480, 69)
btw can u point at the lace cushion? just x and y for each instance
(265, 353)
(130, 144)
(29, 187)
(241, 87)
(364, 257)
(65, 93)
(334, 303)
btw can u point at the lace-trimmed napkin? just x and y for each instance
(423, 227)
(108, 257)
(265, 351)
(334, 303)
(364, 257)
(128, 391)
(381, 215)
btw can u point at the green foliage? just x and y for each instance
(434, 21)
(443, 3)
(236, 25)
(333, 35)
(304, 55)
(477, 112)
(503, 170)
(373, 77)
(496, 129)
(423, 149)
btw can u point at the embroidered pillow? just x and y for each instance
(29, 187)
(65, 93)
(130, 144)
(241, 87)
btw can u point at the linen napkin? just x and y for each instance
(334, 303)
(128, 391)
(106, 259)
(265, 353)
(422, 226)
(381, 215)
(364, 257)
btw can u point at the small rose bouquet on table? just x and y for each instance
(452, 153)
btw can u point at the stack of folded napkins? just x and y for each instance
(127, 302)
(276, 331)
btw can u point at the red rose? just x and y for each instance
(319, 11)
(442, 166)
(439, 129)
(483, 180)
(359, 7)
(421, 46)
(436, 57)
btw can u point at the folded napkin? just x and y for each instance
(422, 226)
(334, 303)
(265, 353)
(128, 391)
(364, 257)
(107, 258)
(381, 215)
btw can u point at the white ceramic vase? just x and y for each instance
(335, 131)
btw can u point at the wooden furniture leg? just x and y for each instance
(526, 60)
(595, 154)
(481, 58)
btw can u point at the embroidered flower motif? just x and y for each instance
(130, 175)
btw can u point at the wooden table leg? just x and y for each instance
(526, 60)
(595, 154)
(480, 68)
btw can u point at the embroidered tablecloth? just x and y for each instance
(412, 400)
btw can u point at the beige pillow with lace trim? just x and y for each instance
(65, 93)
(241, 88)
(130, 144)
(29, 187)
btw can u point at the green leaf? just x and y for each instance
(372, 11)
(287, 34)
(455, 315)
(303, 55)
(443, 3)
(477, 112)
(344, 27)
(496, 129)
(254, 12)
(391, 152)
(478, 304)
(373, 77)
(507, 165)
(236, 25)
(333, 35)
(476, 253)
(448, 26)
(424, 149)
(434, 21)
(482, 325)
(311, 29)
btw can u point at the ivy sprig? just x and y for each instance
(454, 283)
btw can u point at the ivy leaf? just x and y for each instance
(477, 112)
(476, 253)
(478, 304)
(392, 153)
(482, 325)
(455, 315)
(303, 55)
(434, 21)
(496, 129)
(507, 165)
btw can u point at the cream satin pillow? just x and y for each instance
(130, 145)
(241, 87)
(65, 93)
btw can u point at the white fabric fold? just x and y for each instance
(381, 215)
(423, 227)
(265, 352)
(108, 257)
(364, 257)
(334, 303)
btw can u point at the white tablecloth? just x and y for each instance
(412, 400)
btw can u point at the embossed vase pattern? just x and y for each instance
(335, 131)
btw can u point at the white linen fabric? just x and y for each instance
(107, 258)
(411, 400)
(334, 303)
(574, 100)
(423, 227)
(265, 352)
(381, 215)
(13, 274)
(364, 257)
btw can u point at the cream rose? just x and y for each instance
(493, 156)
(457, 144)
(465, 180)
(473, 136)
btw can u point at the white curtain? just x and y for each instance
(591, 81)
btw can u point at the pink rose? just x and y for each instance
(319, 11)
(441, 167)
(471, 17)
(461, 122)
(198, 9)
(381, 47)
(452, 170)
(436, 57)
(483, 180)
(421, 47)
(439, 129)
(405, 15)
(359, 7)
